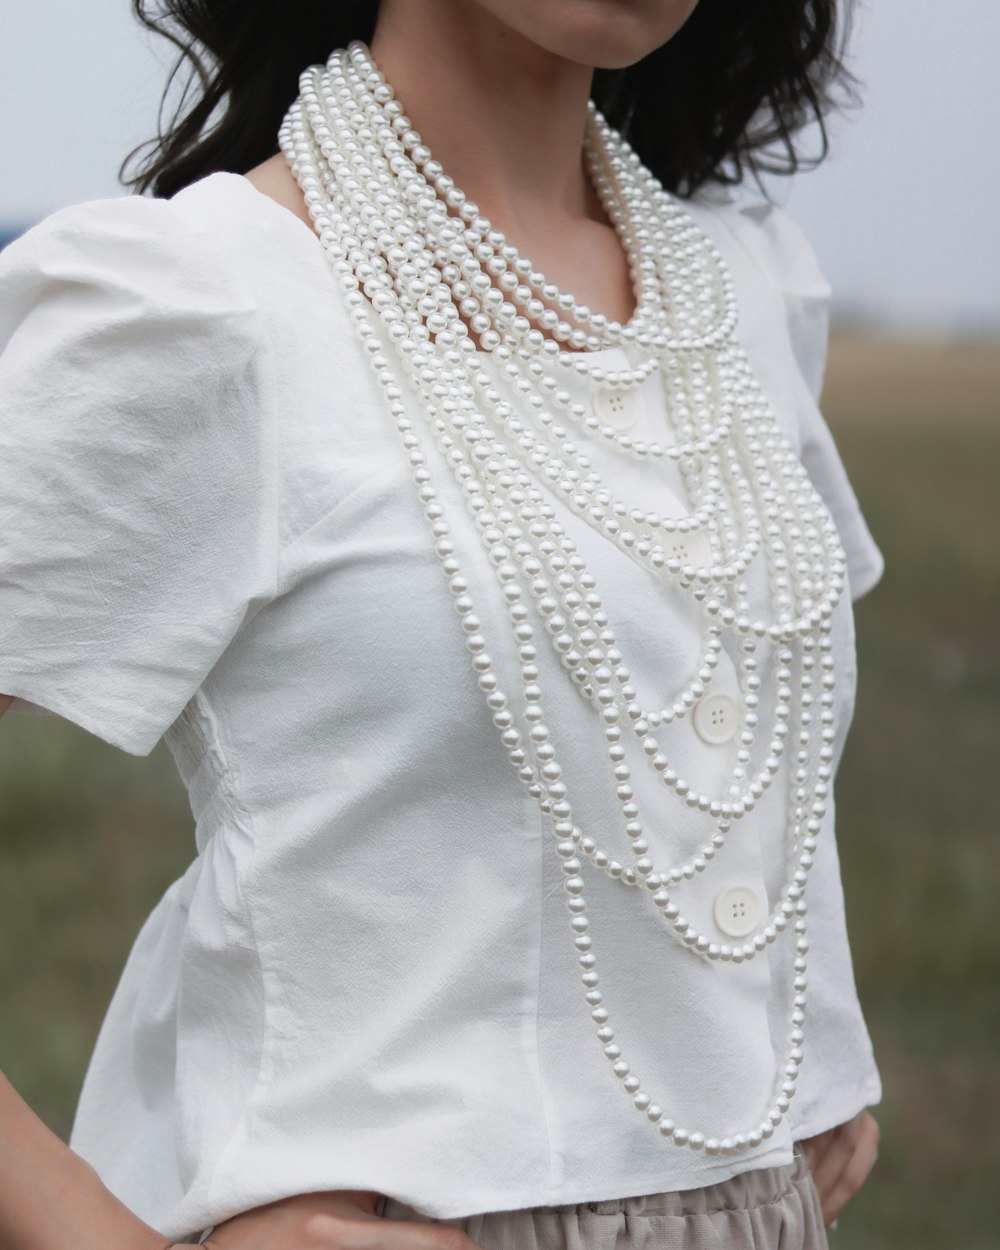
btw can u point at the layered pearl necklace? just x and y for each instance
(420, 266)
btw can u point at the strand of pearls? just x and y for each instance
(421, 267)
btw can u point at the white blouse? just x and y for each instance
(366, 978)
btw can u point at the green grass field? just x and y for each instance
(90, 837)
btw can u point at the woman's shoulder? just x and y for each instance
(218, 242)
(259, 218)
(765, 232)
(783, 292)
(144, 255)
(274, 179)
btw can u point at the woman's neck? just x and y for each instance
(506, 119)
(503, 116)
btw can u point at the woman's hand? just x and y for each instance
(840, 1160)
(341, 1220)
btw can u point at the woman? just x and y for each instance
(238, 455)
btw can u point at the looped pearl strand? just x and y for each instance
(385, 213)
(371, 91)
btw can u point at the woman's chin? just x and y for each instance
(605, 34)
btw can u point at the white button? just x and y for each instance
(689, 548)
(738, 910)
(619, 407)
(716, 716)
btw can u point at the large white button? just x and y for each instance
(738, 910)
(619, 407)
(716, 716)
(689, 548)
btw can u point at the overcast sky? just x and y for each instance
(904, 215)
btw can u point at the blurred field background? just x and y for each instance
(90, 837)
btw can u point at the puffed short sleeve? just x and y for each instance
(137, 472)
(786, 256)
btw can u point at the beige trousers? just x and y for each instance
(766, 1209)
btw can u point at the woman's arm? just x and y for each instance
(50, 1198)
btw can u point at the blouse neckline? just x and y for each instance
(297, 227)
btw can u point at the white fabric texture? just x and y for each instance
(366, 977)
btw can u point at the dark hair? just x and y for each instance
(726, 96)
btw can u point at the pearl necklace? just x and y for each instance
(420, 266)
